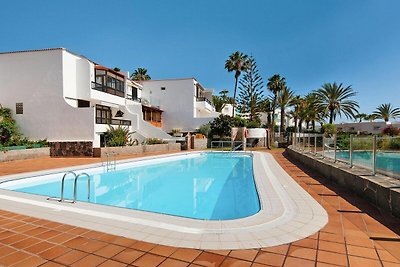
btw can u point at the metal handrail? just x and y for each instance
(75, 186)
(62, 184)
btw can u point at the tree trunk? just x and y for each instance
(234, 97)
(282, 120)
(295, 124)
(331, 116)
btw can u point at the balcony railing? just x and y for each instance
(113, 121)
(202, 99)
(137, 99)
(106, 89)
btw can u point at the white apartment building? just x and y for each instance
(65, 97)
(185, 102)
(370, 127)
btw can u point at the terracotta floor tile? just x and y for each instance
(270, 258)
(128, 255)
(219, 252)
(89, 261)
(112, 263)
(362, 252)
(6, 234)
(390, 264)
(24, 228)
(185, 254)
(51, 264)
(108, 238)
(35, 231)
(91, 246)
(14, 258)
(248, 254)
(124, 242)
(4, 251)
(283, 249)
(296, 262)
(62, 238)
(307, 243)
(27, 242)
(39, 247)
(78, 231)
(386, 256)
(332, 246)
(54, 252)
(77, 241)
(148, 260)
(93, 234)
(304, 253)
(255, 264)
(231, 262)
(109, 251)
(209, 259)
(173, 263)
(143, 246)
(13, 239)
(332, 258)
(48, 234)
(338, 238)
(32, 261)
(362, 262)
(161, 250)
(70, 257)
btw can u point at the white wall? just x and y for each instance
(178, 103)
(375, 127)
(36, 80)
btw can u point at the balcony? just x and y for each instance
(107, 89)
(204, 104)
(113, 121)
(133, 98)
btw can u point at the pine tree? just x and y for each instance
(250, 92)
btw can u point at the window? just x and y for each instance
(103, 114)
(83, 103)
(19, 108)
(162, 88)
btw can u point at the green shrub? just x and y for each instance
(329, 129)
(205, 129)
(119, 136)
(253, 124)
(153, 141)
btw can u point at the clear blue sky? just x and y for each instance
(310, 42)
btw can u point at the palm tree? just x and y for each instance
(275, 85)
(360, 117)
(285, 98)
(335, 99)
(386, 112)
(236, 62)
(266, 106)
(295, 113)
(140, 74)
(370, 117)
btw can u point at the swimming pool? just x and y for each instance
(262, 205)
(386, 162)
(208, 186)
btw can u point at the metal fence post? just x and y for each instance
(351, 151)
(374, 156)
(315, 144)
(334, 144)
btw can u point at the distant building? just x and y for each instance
(375, 127)
(186, 103)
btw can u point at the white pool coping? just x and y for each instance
(288, 213)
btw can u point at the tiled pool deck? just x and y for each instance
(344, 241)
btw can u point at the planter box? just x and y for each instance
(140, 149)
(24, 154)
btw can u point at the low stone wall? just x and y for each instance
(71, 149)
(200, 143)
(383, 191)
(142, 149)
(32, 153)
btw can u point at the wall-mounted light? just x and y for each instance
(119, 114)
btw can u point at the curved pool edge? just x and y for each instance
(294, 215)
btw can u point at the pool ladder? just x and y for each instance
(62, 199)
(111, 161)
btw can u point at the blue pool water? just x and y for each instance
(388, 162)
(212, 186)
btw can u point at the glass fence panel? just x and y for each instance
(362, 152)
(329, 147)
(388, 156)
(343, 148)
